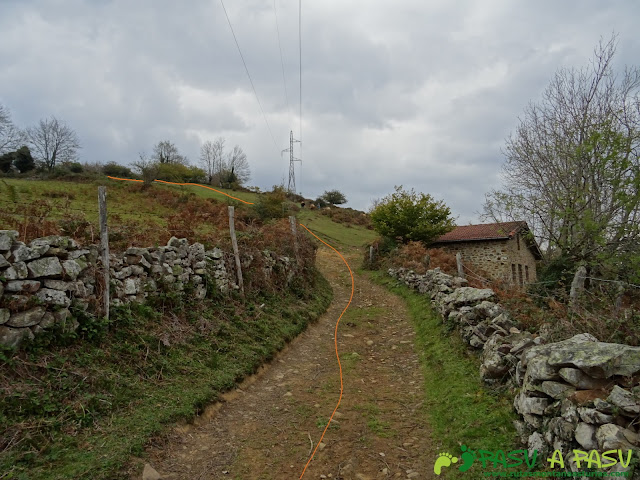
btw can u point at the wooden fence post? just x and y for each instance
(371, 254)
(236, 253)
(104, 246)
(577, 285)
(460, 265)
(294, 232)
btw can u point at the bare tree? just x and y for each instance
(212, 158)
(166, 152)
(51, 141)
(11, 137)
(237, 167)
(572, 166)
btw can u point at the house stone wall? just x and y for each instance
(497, 258)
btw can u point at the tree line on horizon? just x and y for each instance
(52, 143)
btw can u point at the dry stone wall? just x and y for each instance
(41, 282)
(578, 394)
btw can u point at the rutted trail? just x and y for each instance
(267, 428)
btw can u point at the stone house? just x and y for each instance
(505, 251)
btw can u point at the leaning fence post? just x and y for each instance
(460, 265)
(236, 253)
(104, 245)
(371, 254)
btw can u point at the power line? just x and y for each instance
(249, 75)
(300, 62)
(284, 80)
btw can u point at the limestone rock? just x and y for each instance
(530, 405)
(3, 261)
(591, 415)
(585, 435)
(26, 319)
(45, 267)
(7, 237)
(561, 428)
(54, 241)
(53, 297)
(17, 271)
(581, 380)
(4, 315)
(625, 400)
(536, 442)
(23, 254)
(613, 437)
(557, 390)
(24, 286)
(469, 296)
(598, 359)
(539, 370)
(13, 337)
(73, 268)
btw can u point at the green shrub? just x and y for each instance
(411, 216)
(272, 205)
(114, 169)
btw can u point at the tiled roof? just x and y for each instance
(489, 231)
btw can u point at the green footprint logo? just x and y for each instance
(443, 460)
(468, 458)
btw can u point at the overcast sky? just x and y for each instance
(413, 92)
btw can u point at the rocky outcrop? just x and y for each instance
(576, 394)
(40, 283)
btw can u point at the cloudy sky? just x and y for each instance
(414, 92)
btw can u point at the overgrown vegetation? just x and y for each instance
(83, 410)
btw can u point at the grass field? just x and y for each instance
(127, 203)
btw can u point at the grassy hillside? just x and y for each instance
(146, 213)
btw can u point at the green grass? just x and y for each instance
(333, 232)
(459, 408)
(85, 410)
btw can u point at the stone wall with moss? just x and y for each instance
(42, 282)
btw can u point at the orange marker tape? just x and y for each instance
(194, 184)
(335, 341)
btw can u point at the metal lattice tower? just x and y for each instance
(291, 188)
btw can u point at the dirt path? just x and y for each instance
(265, 429)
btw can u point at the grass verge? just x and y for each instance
(459, 408)
(83, 408)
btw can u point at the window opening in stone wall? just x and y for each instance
(526, 273)
(518, 241)
(513, 272)
(520, 274)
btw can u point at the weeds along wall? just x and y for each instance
(577, 394)
(43, 282)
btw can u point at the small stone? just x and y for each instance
(7, 237)
(625, 400)
(26, 319)
(321, 446)
(369, 342)
(53, 297)
(150, 473)
(45, 267)
(24, 286)
(288, 394)
(585, 435)
(13, 337)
